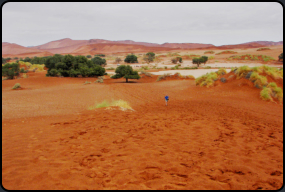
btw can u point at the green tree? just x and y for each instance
(204, 60)
(99, 61)
(27, 59)
(127, 72)
(11, 70)
(196, 60)
(3, 60)
(89, 56)
(131, 59)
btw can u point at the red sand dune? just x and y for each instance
(223, 137)
(14, 49)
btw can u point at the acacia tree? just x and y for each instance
(196, 60)
(204, 60)
(127, 72)
(131, 59)
(280, 57)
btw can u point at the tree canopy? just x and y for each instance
(127, 72)
(131, 59)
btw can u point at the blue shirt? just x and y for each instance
(166, 97)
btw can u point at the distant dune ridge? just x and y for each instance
(93, 46)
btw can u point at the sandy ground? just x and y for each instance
(224, 137)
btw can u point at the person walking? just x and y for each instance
(166, 99)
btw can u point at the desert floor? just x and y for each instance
(223, 137)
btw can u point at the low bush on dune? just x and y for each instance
(242, 71)
(221, 71)
(264, 58)
(272, 91)
(226, 52)
(209, 52)
(159, 78)
(263, 48)
(207, 79)
(86, 82)
(115, 103)
(17, 86)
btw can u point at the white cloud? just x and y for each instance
(216, 23)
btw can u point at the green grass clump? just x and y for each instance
(272, 91)
(265, 94)
(254, 76)
(242, 71)
(260, 82)
(16, 86)
(256, 69)
(207, 79)
(190, 76)
(86, 82)
(272, 71)
(118, 103)
(221, 71)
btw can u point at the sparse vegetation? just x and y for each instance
(251, 57)
(124, 105)
(226, 52)
(207, 79)
(159, 78)
(87, 82)
(263, 49)
(99, 55)
(209, 52)
(221, 71)
(17, 86)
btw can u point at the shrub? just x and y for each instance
(99, 61)
(25, 75)
(226, 52)
(87, 82)
(209, 52)
(221, 71)
(265, 94)
(207, 67)
(278, 93)
(223, 80)
(53, 73)
(165, 67)
(99, 55)
(10, 70)
(280, 57)
(263, 48)
(118, 60)
(16, 86)
(174, 60)
(110, 68)
(159, 78)
(207, 79)
(260, 82)
(248, 75)
(99, 80)
(191, 77)
(88, 56)
(211, 57)
(23, 70)
(242, 71)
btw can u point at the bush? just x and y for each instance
(242, 71)
(99, 80)
(87, 82)
(263, 48)
(223, 80)
(209, 52)
(22, 70)
(174, 60)
(221, 71)
(53, 73)
(280, 57)
(10, 70)
(207, 79)
(118, 60)
(16, 86)
(99, 61)
(159, 78)
(131, 59)
(99, 55)
(110, 68)
(260, 82)
(88, 56)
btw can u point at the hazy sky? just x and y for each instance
(31, 24)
